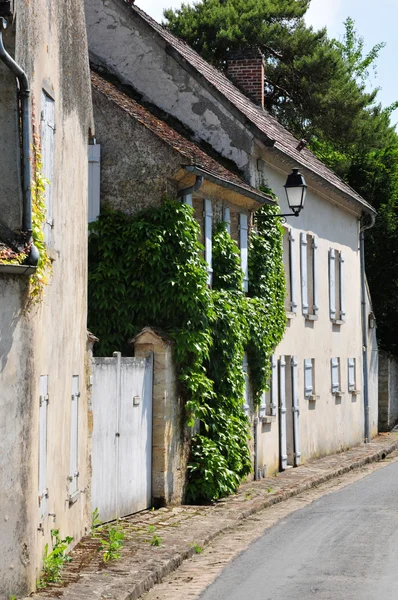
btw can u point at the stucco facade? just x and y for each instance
(48, 40)
(162, 71)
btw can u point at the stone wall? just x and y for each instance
(388, 391)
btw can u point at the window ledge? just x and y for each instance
(338, 322)
(312, 398)
(290, 315)
(73, 498)
(311, 317)
(267, 420)
(355, 392)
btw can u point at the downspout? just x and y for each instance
(24, 95)
(365, 329)
(192, 188)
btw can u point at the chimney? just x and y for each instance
(246, 69)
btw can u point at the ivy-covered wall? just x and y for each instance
(148, 270)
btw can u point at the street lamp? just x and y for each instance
(296, 191)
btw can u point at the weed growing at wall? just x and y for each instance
(54, 561)
(149, 271)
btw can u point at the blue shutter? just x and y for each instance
(74, 438)
(227, 219)
(208, 218)
(43, 403)
(335, 375)
(315, 273)
(332, 284)
(293, 290)
(94, 175)
(304, 274)
(342, 298)
(243, 239)
(308, 378)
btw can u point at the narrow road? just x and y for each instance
(344, 546)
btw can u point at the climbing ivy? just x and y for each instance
(148, 270)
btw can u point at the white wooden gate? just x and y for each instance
(122, 435)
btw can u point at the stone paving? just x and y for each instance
(184, 530)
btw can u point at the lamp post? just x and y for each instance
(296, 191)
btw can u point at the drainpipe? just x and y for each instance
(192, 188)
(23, 93)
(365, 329)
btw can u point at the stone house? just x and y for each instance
(323, 395)
(44, 460)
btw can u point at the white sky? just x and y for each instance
(375, 21)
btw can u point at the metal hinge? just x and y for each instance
(44, 398)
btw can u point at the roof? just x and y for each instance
(277, 136)
(191, 152)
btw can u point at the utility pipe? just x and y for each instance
(24, 94)
(192, 188)
(365, 328)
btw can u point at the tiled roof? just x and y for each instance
(281, 139)
(192, 154)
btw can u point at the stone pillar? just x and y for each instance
(170, 438)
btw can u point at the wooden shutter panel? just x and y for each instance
(43, 492)
(282, 413)
(227, 219)
(94, 175)
(304, 274)
(74, 438)
(274, 385)
(308, 378)
(293, 290)
(263, 405)
(315, 273)
(351, 375)
(47, 151)
(335, 368)
(342, 298)
(332, 283)
(208, 217)
(246, 392)
(296, 411)
(243, 239)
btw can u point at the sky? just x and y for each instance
(375, 22)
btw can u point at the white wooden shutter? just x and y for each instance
(208, 218)
(263, 405)
(227, 219)
(342, 298)
(335, 373)
(304, 274)
(296, 411)
(282, 413)
(308, 378)
(94, 173)
(47, 156)
(332, 283)
(243, 238)
(315, 273)
(246, 391)
(274, 385)
(188, 199)
(293, 290)
(74, 438)
(351, 375)
(43, 491)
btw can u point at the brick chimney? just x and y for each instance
(246, 69)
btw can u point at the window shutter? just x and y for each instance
(227, 219)
(308, 378)
(43, 492)
(274, 385)
(208, 216)
(47, 151)
(282, 412)
(188, 199)
(335, 367)
(342, 298)
(332, 283)
(243, 237)
(351, 375)
(304, 274)
(94, 172)
(296, 411)
(315, 273)
(74, 438)
(293, 290)
(263, 405)
(246, 392)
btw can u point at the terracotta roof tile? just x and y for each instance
(189, 150)
(282, 139)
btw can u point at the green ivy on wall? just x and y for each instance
(148, 270)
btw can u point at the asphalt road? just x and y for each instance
(344, 546)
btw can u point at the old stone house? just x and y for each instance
(45, 102)
(323, 396)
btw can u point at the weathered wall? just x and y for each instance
(51, 340)
(388, 391)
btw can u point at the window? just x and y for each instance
(43, 491)
(336, 286)
(352, 375)
(309, 275)
(335, 375)
(47, 155)
(270, 398)
(243, 238)
(246, 406)
(74, 440)
(94, 163)
(290, 270)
